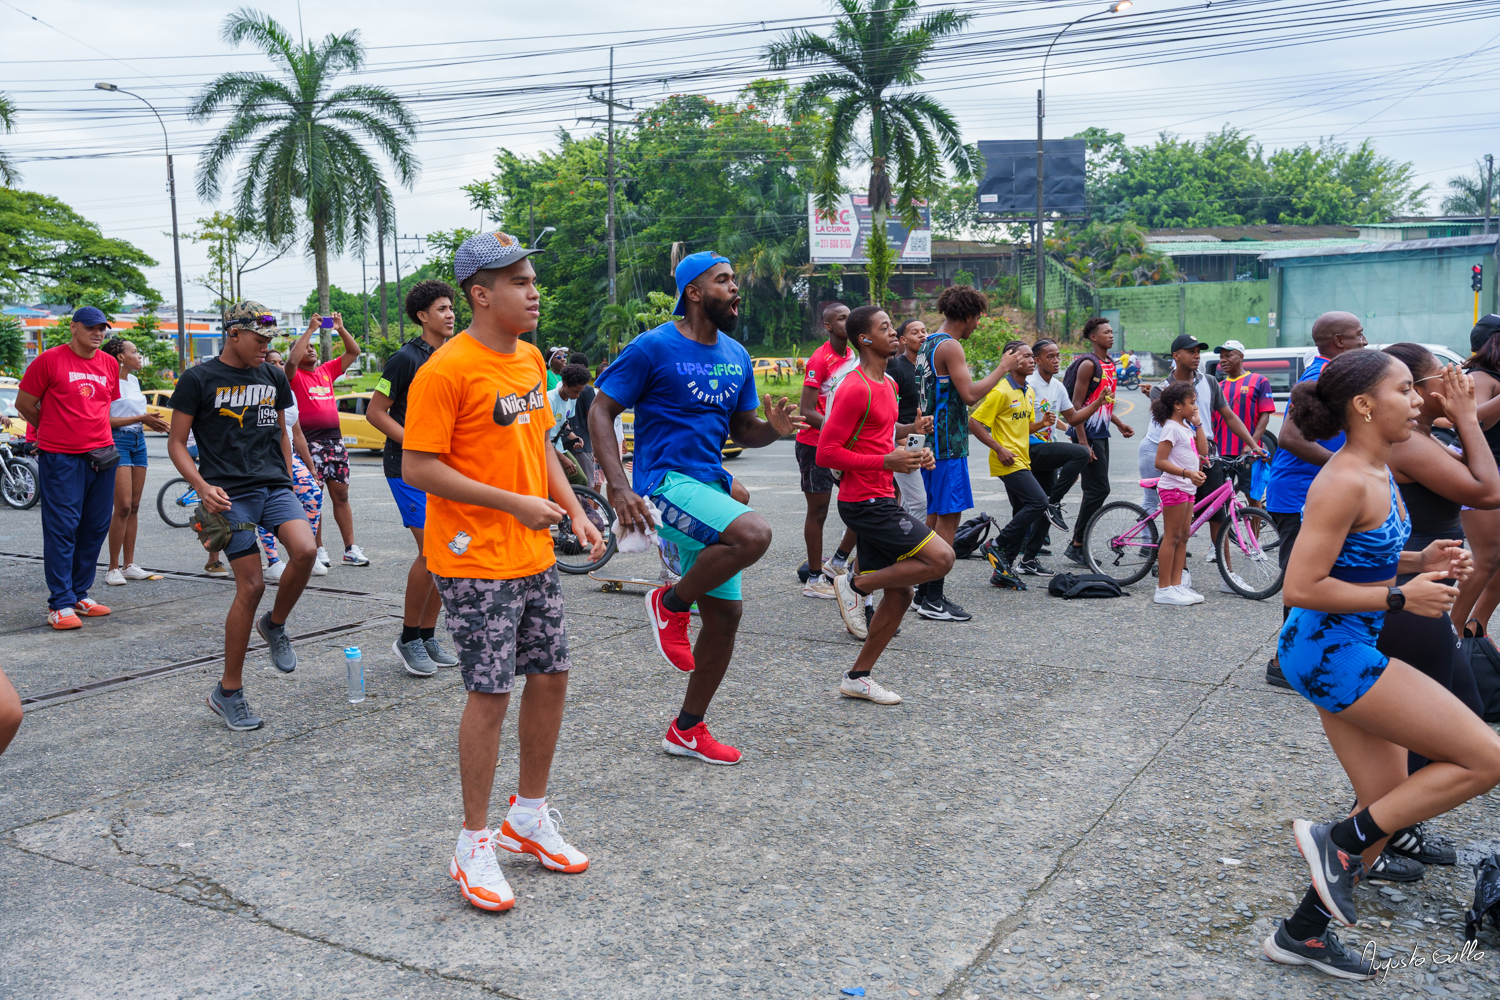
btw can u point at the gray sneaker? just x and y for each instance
(413, 656)
(278, 644)
(437, 654)
(234, 709)
(1334, 870)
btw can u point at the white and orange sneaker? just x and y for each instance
(534, 831)
(63, 619)
(477, 872)
(90, 608)
(697, 742)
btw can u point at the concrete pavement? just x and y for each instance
(1080, 799)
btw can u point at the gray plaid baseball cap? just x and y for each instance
(487, 251)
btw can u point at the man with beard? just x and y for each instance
(691, 386)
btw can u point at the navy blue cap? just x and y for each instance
(486, 252)
(693, 265)
(91, 316)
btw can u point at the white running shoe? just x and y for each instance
(319, 568)
(1212, 557)
(273, 572)
(868, 689)
(818, 586)
(1172, 596)
(1192, 595)
(115, 578)
(850, 607)
(534, 832)
(1187, 579)
(322, 557)
(1225, 588)
(355, 556)
(477, 872)
(134, 572)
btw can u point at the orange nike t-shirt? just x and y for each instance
(485, 414)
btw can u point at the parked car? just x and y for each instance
(627, 419)
(156, 403)
(773, 366)
(1284, 365)
(10, 417)
(357, 429)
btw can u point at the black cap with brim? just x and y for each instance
(1184, 343)
(1487, 327)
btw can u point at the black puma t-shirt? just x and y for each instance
(234, 413)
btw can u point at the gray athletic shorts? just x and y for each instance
(501, 628)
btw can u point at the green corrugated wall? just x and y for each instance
(1212, 311)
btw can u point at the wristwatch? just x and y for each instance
(1394, 599)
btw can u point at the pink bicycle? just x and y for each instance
(1121, 541)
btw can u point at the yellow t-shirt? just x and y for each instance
(486, 414)
(1008, 413)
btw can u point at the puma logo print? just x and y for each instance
(240, 416)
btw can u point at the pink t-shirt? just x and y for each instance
(316, 409)
(1184, 454)
(825, 370)
(75, 394)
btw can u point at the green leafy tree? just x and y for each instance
(12, 347)
(9, 175)
(308, 167)
(876, 49)
(234, 248)
(49, 250)
(1113, 254)
(1466, 193)
(984, 345)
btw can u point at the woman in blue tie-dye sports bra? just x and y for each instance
(1340, 582)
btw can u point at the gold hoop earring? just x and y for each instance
(1367, 418)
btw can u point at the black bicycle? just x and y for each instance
(571, 552)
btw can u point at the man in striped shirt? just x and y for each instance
(1249, 397)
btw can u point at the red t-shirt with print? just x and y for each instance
(75, 394)
(317, 411)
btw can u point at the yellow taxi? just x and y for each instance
(627, 419)
(156, 403)
(357, 429)
(767, 367)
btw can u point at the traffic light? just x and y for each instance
(1478, 282)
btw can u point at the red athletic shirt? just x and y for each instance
(825, 369)
(75, 394)
(863, 462)
(316, 408)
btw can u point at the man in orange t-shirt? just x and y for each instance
(476, 444)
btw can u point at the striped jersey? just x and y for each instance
(1248, 397)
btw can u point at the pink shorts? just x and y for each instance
(1171, 498)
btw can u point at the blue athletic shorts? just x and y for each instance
(948, 489)
(268, 506)
(1331, 659)
(693, 514)
(412, 503)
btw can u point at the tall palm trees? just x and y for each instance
(876, 47)
(307, 163)
(9, 175)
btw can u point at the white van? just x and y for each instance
(1285, 365)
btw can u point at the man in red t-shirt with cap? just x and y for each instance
(65, 394)
(318, 414)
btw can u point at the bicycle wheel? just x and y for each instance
(176, 501)
(572, 556)
(1121, 543)
(18, 483)
(1249, 548)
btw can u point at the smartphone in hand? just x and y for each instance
(916, 442)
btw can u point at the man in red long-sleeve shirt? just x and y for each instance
(896, 552)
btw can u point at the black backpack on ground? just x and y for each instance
(1484, 660)
(972, 534)
(1070, 585)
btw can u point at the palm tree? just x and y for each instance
(307, 163)
(877, 47)
(1466, 193)
(9, 175)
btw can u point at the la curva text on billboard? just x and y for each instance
(838, 237)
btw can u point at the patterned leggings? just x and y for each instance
(307, 491)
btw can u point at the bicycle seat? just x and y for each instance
(1149, 484)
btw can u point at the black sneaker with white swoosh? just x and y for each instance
(1334, 870)
(1326, 953)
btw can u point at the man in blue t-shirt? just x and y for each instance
(691, 387)
(1297, 460)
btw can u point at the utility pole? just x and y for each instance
(610, 178)
(1036, 232)
(1489, 187)
(380, 236)
(364, 296)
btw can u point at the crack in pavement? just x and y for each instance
(960, 981)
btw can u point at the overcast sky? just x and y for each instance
(1425, 94)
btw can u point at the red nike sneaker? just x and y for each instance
(697, 742)
(671, 631)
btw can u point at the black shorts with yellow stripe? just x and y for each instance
(886, 532)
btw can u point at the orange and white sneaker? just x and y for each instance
(90, 608)
(63, 619)
(477, 872)
(698, 742)
(534, 831)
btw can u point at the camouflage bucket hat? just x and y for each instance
(214, 529)
(248, 314)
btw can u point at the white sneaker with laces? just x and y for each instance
(134, 572)
(355, 556)
(868, 689)
(1172, 596)
(534, 832)
(1212, 557)
(818, 586)
(1192, 595)
(322, 557)
(477, 872)
(850, 607)
(115, 578)
(273, 572)
(1187, 579)
(1225, 588)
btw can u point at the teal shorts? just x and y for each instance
(692, 515)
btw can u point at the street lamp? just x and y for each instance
(182, 334)
(542, 235)
(1041, 111)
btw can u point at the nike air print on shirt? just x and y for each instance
(513, 408)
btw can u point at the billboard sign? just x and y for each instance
(839, 237)
(1008, 186)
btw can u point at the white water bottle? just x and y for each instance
(355, 670)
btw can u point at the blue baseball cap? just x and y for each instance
(91, 316)
(486, 252)
(693, 265)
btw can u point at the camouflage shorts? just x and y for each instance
(505, 627)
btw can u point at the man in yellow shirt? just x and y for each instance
(1003, 422)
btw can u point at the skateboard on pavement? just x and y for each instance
(619, 583)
